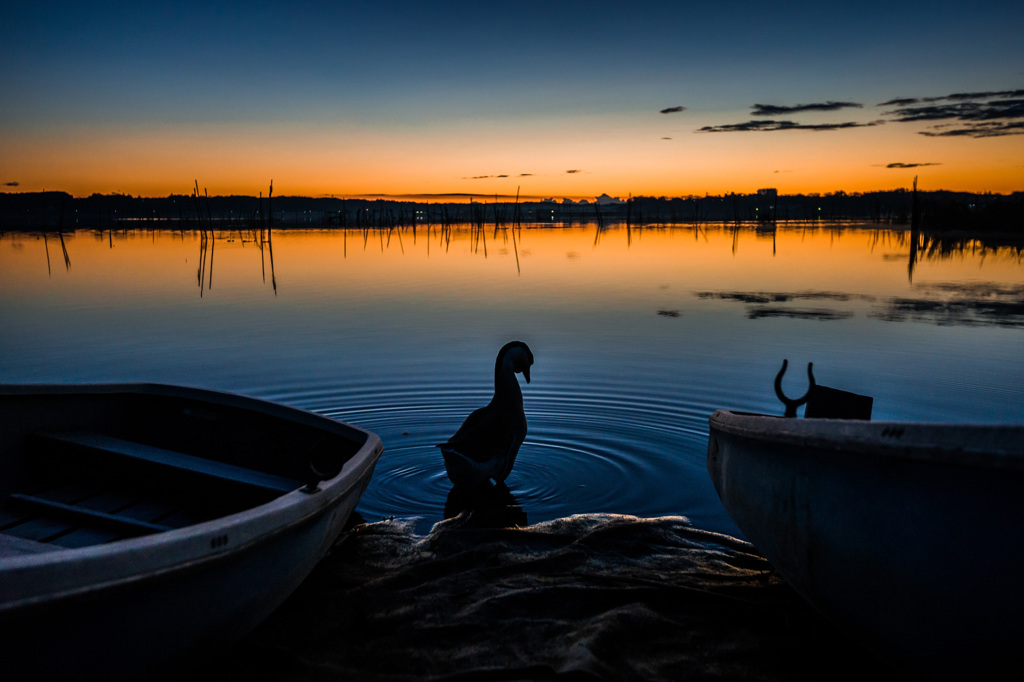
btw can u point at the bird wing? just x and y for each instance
(463, 471)
(485, 435)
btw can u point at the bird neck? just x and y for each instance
(506, 386)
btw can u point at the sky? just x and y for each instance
(548, 99)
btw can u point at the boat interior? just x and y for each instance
(79, 470)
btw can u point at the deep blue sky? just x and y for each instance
(147, 95)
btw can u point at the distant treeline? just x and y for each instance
(937, 210)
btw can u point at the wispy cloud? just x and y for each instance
(963, 111)
(993, 129)
(673, 110)
(972, 114)
(500, 175)
(775, 110)
(900, 102)
(765, 125)
(575, 170)
(451, 196)
(762, 126)
(955, 97)
(666, 138)
(898, 164)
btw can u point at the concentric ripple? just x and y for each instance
(589, 449)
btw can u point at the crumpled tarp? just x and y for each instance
(586, 597)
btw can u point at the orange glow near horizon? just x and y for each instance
(317, 160)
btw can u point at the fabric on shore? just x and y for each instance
(588, 597)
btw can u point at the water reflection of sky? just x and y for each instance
(638, 337)
(943, 303)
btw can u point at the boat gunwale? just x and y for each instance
(73, 570)
(221, 398)
(976, 445)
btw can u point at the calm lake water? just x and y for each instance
(638, 336)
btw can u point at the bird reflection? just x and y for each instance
(485, 506)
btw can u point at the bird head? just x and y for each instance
(518, 356)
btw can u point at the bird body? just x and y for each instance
(486, 445)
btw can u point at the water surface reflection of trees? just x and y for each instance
(942, 303)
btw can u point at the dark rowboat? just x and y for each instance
(142, 523)
(911, 535)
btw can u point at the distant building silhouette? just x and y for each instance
(940, 209)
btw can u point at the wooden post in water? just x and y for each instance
(270, 209)
(270, 241)
(195, 201)
(516, 220)
(209, 215)
(914, 231)
(46, 246)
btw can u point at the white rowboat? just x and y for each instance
(910, 535)
(141, 523)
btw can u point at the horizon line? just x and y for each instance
(469, 197)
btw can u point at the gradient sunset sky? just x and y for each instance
(560, 99)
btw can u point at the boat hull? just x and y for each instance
(908, 535)
(127, 608)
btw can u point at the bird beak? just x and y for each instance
(526, 373)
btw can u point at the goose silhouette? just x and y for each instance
(486, 445)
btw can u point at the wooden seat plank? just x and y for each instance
(88, 516)
(87, 537)
(177, 461)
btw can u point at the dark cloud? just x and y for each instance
(975, 114)
(979, 130)
(899, 164)
(903, 101)
(11, 184)
(783, 125)
(673, 110)
(501, 176)
(575, 170)
(961, 96)
(525, 175)
(666, 138)
(961, 111)
(955, 97)
(774, 110)
(786, 124)
(992, 113)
